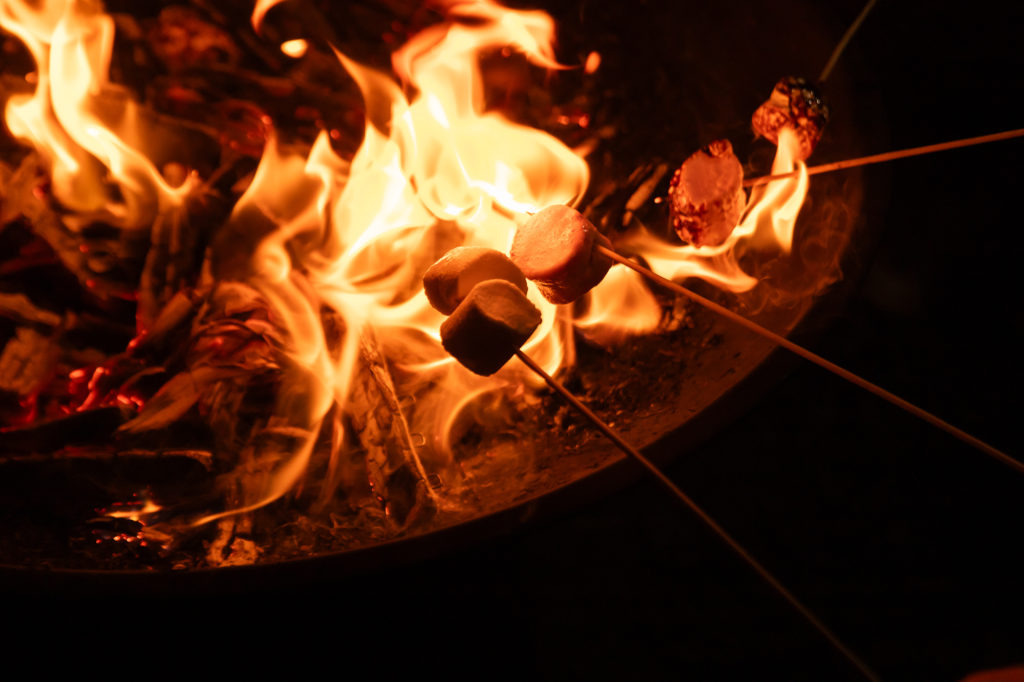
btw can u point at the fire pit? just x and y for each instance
(931, 594)
(282, 372)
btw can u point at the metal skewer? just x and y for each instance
(701, 514)
(818, 360)
(888, 156)
(845, 40)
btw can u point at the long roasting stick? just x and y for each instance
(888, 156)
(701, 514)
(845, 40)
(818, 360)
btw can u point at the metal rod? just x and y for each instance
(845, 40)
(820, 361)
(701, 514)
(888, 156)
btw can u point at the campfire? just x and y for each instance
(217, 225)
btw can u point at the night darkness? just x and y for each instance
(905, 541)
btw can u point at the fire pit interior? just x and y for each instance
(216, 221)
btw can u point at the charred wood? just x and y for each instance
(396, 472)
(91, 426)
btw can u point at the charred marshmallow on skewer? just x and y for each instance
(794, 104)
(555, 249)
(706, 197)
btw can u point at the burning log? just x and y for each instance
(177, 240)
(70, 480)
(223, 374)
(21, 309)
(135, 463)
(26, 361)
(643, 191)
(233, 544)
(396, 473)
(91, 426)
(234, 370)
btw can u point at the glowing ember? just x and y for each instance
(294, 48)
(134, 512)
(315, 277)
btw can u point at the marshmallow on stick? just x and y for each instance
(555, 249)
(448, 281)
(794, 104)
(706, 197)
(489, 326)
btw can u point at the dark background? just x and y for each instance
(905, 541)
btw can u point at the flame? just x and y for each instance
(135, 512)
(88, 130)
(295, 48)
(621, 307)
(433, 170)
(259, 12)
(319, 236)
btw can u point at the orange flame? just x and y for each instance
(433, 171)
(88, 130)
(259, 12)
(353, 238)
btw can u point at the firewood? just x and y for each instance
(105, 260)
(233, 545)
(395, 470)
(137, 457)
(21, 309)
(63, 489)
(90, 426)
(26, 361)
(171, 265)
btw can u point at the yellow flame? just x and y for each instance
(433, 171)
(149, 507)
(321, 235)
(259, 12)
(620, 307)
(88, 130)
(295, 48)
(775, 206)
